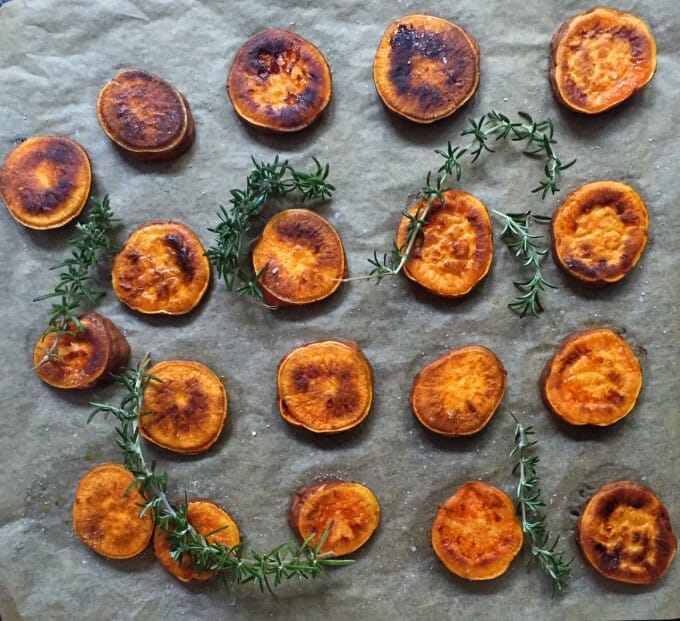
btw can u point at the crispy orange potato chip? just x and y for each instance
(599, 232)
(599, 58)
(279, 81)
(476, 533)
(301, 258)
(162, 268)
(352, 509)
(82, 359)
(106, 513)
(206, 517)
(325, 387)
(45, 181)
(625, 533)
(457, 249)
(426, 67)
(186, 409)
(145, 116)
(594, 378)
(458, 393)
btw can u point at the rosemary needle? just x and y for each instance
(268, 570)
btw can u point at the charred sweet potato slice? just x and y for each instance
(45, 181)
(145, 116)
(458, 393)
(162, 268)
(211, 521)
(185, 410)
(351, 508)
(279, 81)
(301, 258)
(325, 387)
(106, 513)
(476, 533)
(81, 358)
(625, 533)
(426, 67)
(594, 378)
(600, 58)
(599, 232)
(457, 247)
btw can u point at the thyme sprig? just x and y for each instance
(529, 508)
(540, 143)
(268, 570)
(530, 249)
(88, 247)
(266, 181)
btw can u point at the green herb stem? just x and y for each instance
(290, 560)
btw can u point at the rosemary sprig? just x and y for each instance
(268, 570)
(265, 181)
(92, 243)
(529, 504)
(540, 142)
(530, 250)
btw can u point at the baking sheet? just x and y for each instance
(55, 57)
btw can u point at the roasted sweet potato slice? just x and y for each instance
(457, 248)
(81, 358)
(594, 378)
(625, 533)
(599, 232)
(106, 513)
(162, 268)
(301, 258)
(45, 181)
(209, 520)
(279, 81)
(476, 533)
(600, 58)
(426, 67)
(325, 387)
(351, 509)
(185, 410)
(145, 116)
(458, 393)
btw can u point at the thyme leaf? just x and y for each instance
(233, 563)
(91, 244)
(266, 181)
(529, 508)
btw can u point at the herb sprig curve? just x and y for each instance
(235, 563)
(266, 181)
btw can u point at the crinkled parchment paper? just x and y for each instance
(54, 58)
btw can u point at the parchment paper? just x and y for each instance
(54, 58)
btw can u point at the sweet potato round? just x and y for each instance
(458, 393)
(82, 359)
(599, 58)
(185, 410)
(352, 509)
(301, 258)
(145, 116)
(279, 81)
(625, 533)
(326, 387)
(206, 517)
(594, 378)
(162, 268)
(476, 533)
(426, 67)
(45, 181)
(106, 513)
(599, 232)
(457, 249)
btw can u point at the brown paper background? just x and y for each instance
(54, 59)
